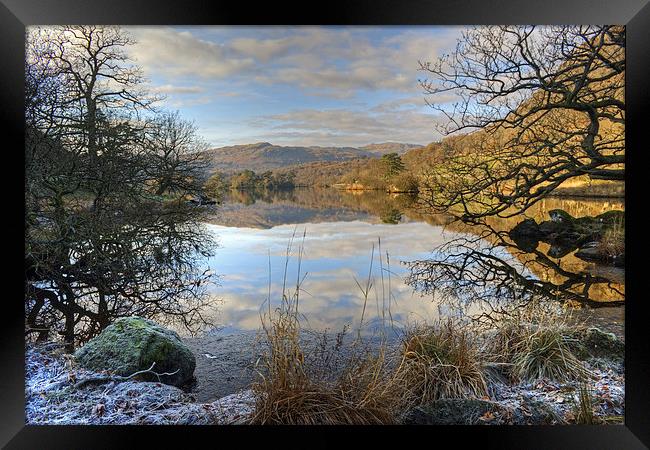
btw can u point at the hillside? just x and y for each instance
(264, 156)
(389, 147)
(322, 173)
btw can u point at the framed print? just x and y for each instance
(391, 220)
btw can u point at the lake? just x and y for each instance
(338, 232)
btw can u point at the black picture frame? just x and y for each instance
(15, 15)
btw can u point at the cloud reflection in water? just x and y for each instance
(334, 254)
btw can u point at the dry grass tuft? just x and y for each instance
(442, 362)
(612, 243)
(536, 343)
(583, 407)
(290, 393)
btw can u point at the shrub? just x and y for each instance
(583, 406)
(404, 182)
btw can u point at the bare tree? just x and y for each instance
(93, 64)
(177, 154)
(548, 103)
(98, 243)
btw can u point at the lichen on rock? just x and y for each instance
(594, 343)
(133, 344)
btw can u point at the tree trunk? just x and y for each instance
(103, 312)
(68, 333)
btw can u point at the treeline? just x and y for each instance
(108, 228)
(218, 183)
(390, 172)
(385, 173)
(322, 173)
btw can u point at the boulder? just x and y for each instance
(612, 217)
(473, 411)
(457, 411)
(132, 344)
(553, 229)
(526, 235)
(528, 228)
(591, 252)
(595, 343)
(560, 216)
(567, 229)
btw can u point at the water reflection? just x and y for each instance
(335, 254)
(341, 228)
(556, 271)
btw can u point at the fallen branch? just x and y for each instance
(120, 379)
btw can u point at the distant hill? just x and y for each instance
(322, 173)
(389, 147)
(264, 156)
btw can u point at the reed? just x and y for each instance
(289, 391)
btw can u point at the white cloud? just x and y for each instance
(349, 127)
(343, 66)
(179, 53)
(262, 49)
(332, 297)
(326, 59)
(172, 89)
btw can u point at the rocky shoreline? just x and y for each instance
(53, 399)
(55, 392)
(592, 236)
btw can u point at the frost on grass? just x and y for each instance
(55, 396)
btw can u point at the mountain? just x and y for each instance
(322, 173)
(264, 156)
(389, 147)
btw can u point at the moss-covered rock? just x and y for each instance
(527, 227)
(473, 411)
(560, 215)
(132, 344)
(456, 411)
(566, 233)
(613, 217)
(582, 228)
(594, 343)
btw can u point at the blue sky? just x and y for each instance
(341, 86)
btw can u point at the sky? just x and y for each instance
(327, 86)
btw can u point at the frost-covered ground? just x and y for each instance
(607, 383)
(56, 395)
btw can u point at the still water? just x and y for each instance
(346, 240)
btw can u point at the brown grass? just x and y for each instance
(583, 187)
(434, 362)
(612, 243)
(442, 362)
(287, 392)
(583, 407)
(535, 343)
